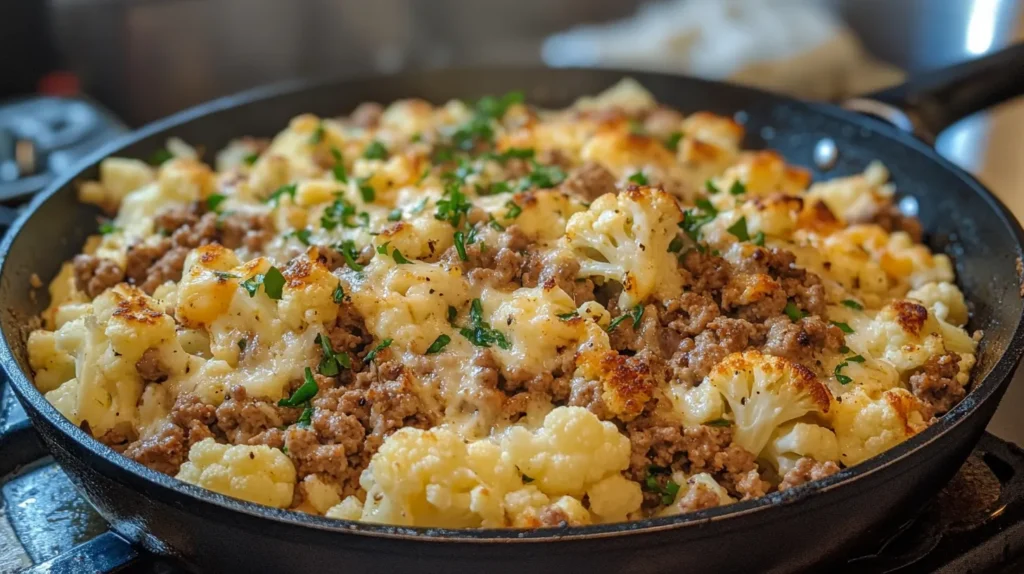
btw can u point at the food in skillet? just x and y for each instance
(490, 315)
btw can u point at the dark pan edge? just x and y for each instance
(982, 390)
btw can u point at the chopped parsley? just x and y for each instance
(793, 312)
(339, 294)
(366, 190)
(542, 177)
(306, 418)
(672, 141)
(636, 313)
(288, 189)
(853, 304)
(214, 201)
(668, 491)
(302, 235)
(419, 207)
(318, 134)
(224, 275)
(511, 153)
(338, 213)
(568, 316)
(758, 239)
(513, 210)
(251, 158)
(108, 227)
(453, 205)
(304, 393)
(844, 349)
(638, 178)
(395, 214)
(452, 314)
(376, 350)
(348, 252)
(395, 253)
(439, 343)
(710, 187)
(676, 245)
(460, 246)
(272, 281)
(331, 363)
(398, 257)
(840, 377)
(339, 173)
(160, 157)
(739, 229)
(480, 332)
(494, 224)
(737, 188)
(495, 107)
(694, 219)
(375, 150)
(719, 423)
(843, 327)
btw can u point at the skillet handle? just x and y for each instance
(927, 104)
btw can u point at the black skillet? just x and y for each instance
(781, 532)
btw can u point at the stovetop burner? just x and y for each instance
(976, 524)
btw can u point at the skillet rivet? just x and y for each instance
(826, 154)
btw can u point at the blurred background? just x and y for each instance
(143, 59)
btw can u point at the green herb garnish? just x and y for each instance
(331, 363)
(251, 159)
(460, 246)
(480, 332)
(302, 394)
(737, 188)
(395, 214)
(739, 229)
(272, 281)
(719, 423)
(339, 294)
(214, 201)
(318, 134)
(853, 304)
(758, 239)
(348, 252)
(366, 190)
(108, 227)
(672, 141)
(160, 157)
(513, 210)
(793, 312)
(843, 327)
(288, 189)
(636, 313)
(376, 350)
(638, 178)
(375, 150)
(302, 235)
(568, 316)
(439, 343)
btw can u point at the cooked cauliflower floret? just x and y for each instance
(793, 441)
(118, 177)
(51, 365)
(699, 404)
(865, 427)
(944, 300)
(258, 473)
(349, 509)
(614, 498)
(626, 383)
(701, 486)
(106, 346)
(625, 238)
(857, 197)
(763, 392)
(425, 478)
(570, 452)
(906, 335)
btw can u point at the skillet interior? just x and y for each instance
(961, 219)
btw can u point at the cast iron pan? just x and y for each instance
(781, 532)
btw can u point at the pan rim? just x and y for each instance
(982, 390)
